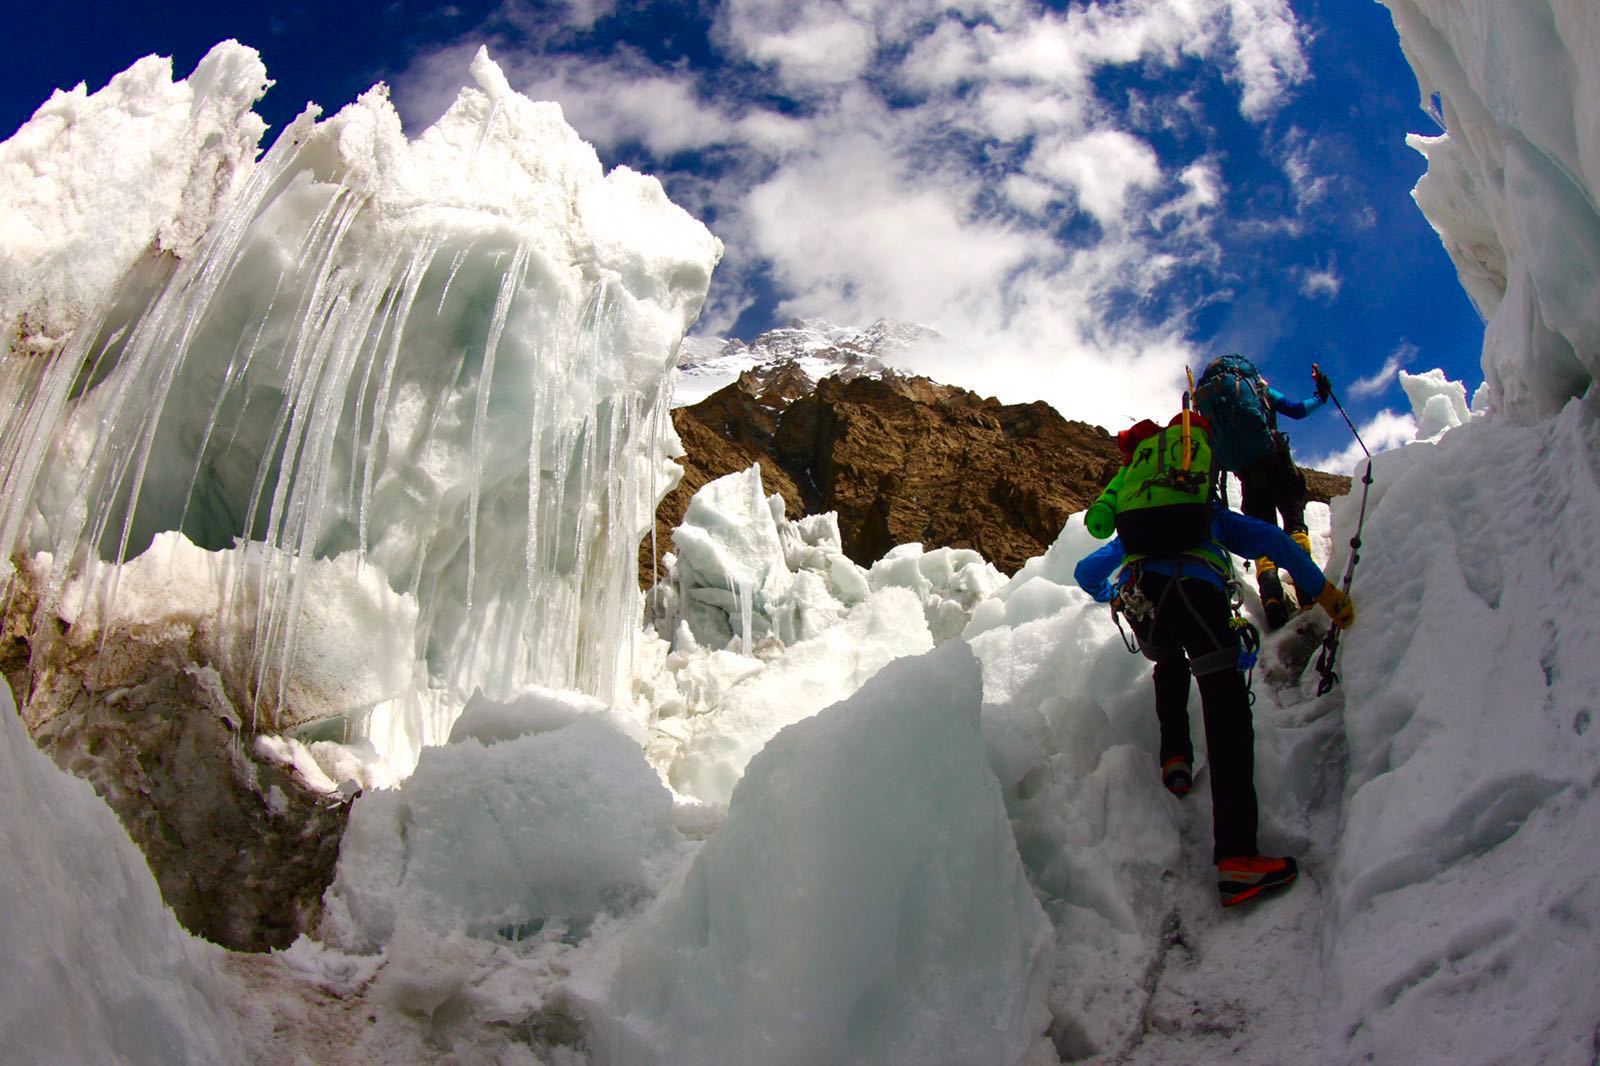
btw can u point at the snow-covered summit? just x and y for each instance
(810, 347)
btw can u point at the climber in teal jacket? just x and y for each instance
(1179, 610)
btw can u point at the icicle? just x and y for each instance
(483, 135)
(410, 287)
(743, 598)
(455, 265)
(287, 349)
(510, 284)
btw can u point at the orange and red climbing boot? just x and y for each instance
(1245, 877)
(1177, 774)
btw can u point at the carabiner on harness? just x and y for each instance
(1249, 636)
(1131, 601)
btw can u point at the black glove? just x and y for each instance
(1324, 386)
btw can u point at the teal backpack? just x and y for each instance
(1232, 396)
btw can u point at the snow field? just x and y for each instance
(1469, 699)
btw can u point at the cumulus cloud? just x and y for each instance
(811, 45)
(1386, 430)
(953, 164)
(1102, 169)
(1269, 53)
(583, 14)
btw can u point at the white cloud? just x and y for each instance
(812, 43)
(852, 234)
(583, 14)
(1012, 112)
(1202, 193)
(942, 60)
(1102, 169)
(1269, 51)
(1402, 356)
(1309, 185)
(1386, 430)
(930, 166)
(1320, 283)
(1028, 194)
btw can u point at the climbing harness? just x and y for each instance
(1330, 643)
(1193, 474)
(1130, 600)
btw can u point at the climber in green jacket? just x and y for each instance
(1176, 600)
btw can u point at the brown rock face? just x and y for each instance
(241, 849)
(903, 459)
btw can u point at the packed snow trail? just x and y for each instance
(1150, 967)
(1242, 985)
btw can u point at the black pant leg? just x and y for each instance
(1199, 616)
(1289, 493)
(1230, 741)
(1171, 675)
(1172, 710)
(1256, 496)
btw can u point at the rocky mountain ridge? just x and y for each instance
(900, 458)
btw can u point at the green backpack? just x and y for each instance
(1162, 495)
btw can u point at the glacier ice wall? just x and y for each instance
(444, 359)
(176, 150)
(1512, 185)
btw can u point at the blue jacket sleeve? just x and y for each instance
(1094, 570)
(1285, 406)
(1253, 538)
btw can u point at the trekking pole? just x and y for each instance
(1330, 643)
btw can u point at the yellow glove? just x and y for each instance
(1333, 600)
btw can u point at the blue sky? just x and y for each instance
(1084, 198)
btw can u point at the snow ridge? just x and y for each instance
(812, 348)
